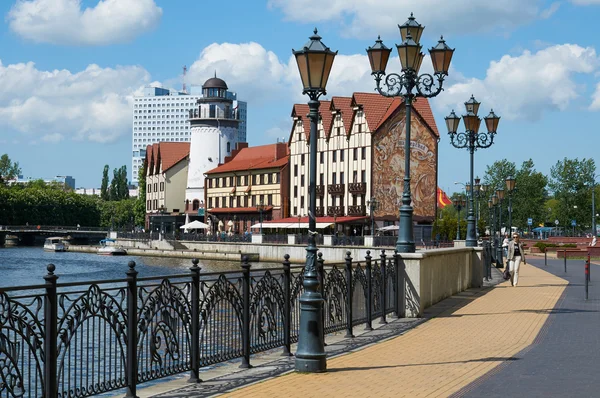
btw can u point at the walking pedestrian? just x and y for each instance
(516, 256)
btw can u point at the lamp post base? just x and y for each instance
(406, 240)
(471, 240)
(311, 357)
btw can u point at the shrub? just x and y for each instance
(543, 245)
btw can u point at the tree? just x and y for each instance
(495, 177)
(104, 187)
(529, 196)
(8, 169)
(570, 182)
(119, 187)
(140, 205)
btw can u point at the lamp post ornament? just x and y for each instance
(472, 140)
(409, 85)
(314, 61)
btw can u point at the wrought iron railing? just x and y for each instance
(79, 339)
(275, 238)
(342, 240)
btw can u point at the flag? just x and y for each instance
(442, 199)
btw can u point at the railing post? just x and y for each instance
(565, 255)
(349, 318)
(132, 365)
(50, 342)
(587, 274)
(399, 285)
(195, 351)
(546, 256)
(246, 314)
(369, 291)
(321, 279)
(383, 321)
(287, 312)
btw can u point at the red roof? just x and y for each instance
(167, 153)
(344, 106)
(420, 105)
(253, 158)
(239, 210)
(337, 220)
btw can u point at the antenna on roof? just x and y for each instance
(215, 73)
(184, 73)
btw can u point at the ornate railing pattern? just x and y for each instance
(80, 339)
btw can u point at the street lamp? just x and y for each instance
(472, 140)
(261, 207)
(373, 205)
(493, 231)
(500, 194)
(314, 61)
(510, 187)
(477, 187)
(409, 85)
(594, 229)
(459, 203)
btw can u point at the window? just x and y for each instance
(355, 151)
(230, 181)
(255, 179)
(239, 180)
(322, 154)
(155, 187)
(295, 210)
(296, 169)
(148, 205)
(302, 202)
(342, 155)
(262, 199)
(363, 176)
(354, 176)
(246, 201)
(149, 189)
(302, 160)
(195, 204)
(253, 200)
(334, 156)
(270, 200)
(334, 178)
(302, 180)
(228, 147)
(210, 203)
(342, 177)
(269, 181)
(295, 190)
(363, 152)
(278, 177)
(360, 128)
(338, 130)
(162, 186)
(321, 179)
(231, 201)
(354, 200)
(216, 202)
(210, 182)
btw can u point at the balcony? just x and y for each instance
(333, 211)
(217, 113)
(358, 210)
(320, 190)
(336, 189)
(358, 188)
(319, 211)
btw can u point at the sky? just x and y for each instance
(69, 70)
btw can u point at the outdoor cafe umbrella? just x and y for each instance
(194, 225)
(187, 221)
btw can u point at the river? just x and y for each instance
(21, 266)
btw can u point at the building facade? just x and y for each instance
(162, 115)
(166, 177)
(214, 123)
(251, 185)
(360, 158)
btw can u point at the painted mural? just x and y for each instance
(388, 166)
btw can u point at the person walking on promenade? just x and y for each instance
(516, 256)
(505, 247)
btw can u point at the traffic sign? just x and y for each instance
(573, 223)
(556, 222)
(530, 221)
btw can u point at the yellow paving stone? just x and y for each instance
(436, 358)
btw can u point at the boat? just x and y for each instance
(54, 244)
(110, 250)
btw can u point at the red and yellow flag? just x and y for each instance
(442, 199)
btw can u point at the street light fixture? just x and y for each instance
(314, 61)
(510, 187)
(409, 85)
(260, 208)
(472, 140)
(373, 205)
(477, 187)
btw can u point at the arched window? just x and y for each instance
(187, 204)
(228, 147)
(195, 204)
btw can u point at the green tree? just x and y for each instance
(529, 196)
(8, 169)
(494, 178)
(140, 205)
(104, 187)
(570, 182)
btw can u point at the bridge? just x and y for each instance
(28, 235)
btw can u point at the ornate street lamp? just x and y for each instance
(477, 187)
(373, 205)
(493, 231)
(510, 187)
(314, 61)
(409, 85)
(459, 203)
(472, 140)
(500, 195)
(260, 208)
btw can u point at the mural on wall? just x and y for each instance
(388, 167)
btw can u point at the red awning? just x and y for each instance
(331, 220)
(224, 210)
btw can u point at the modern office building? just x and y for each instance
(162, 115)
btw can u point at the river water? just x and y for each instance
(27, 266)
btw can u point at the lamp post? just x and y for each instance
(510, 187)
(500, 195)
(409, 85)
(373, 204)
(458, 203)
(314, 61)
(594, 229)
(472, 140)
(477, 187)
(493, 231)
(261, 207)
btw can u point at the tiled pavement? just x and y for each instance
(477, 333)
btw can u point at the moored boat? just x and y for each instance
(54, 244)
(110, 250)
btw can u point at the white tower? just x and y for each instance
(214, 133)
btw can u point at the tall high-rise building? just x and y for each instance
(162, 115)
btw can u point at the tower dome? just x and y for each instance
(215, 82)
(214, 88)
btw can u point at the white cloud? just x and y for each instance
(65, 22)
(524, 87)
(93, 104)
(360, 18)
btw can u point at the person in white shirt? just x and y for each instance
(593, 241)
(505, 247)
(516, 256)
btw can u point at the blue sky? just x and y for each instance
(69, 69)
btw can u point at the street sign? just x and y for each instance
(573, 223)
(201, 212)
(530, 221)
(556, 222)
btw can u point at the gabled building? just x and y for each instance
(166, 176)
(252, 183)
(360, 157)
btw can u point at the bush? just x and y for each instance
(542, 245)
(569, 245)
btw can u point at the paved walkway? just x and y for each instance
(439, 357)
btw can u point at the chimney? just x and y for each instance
(280, 150)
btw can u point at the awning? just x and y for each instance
(287, 225)
(389, 228)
